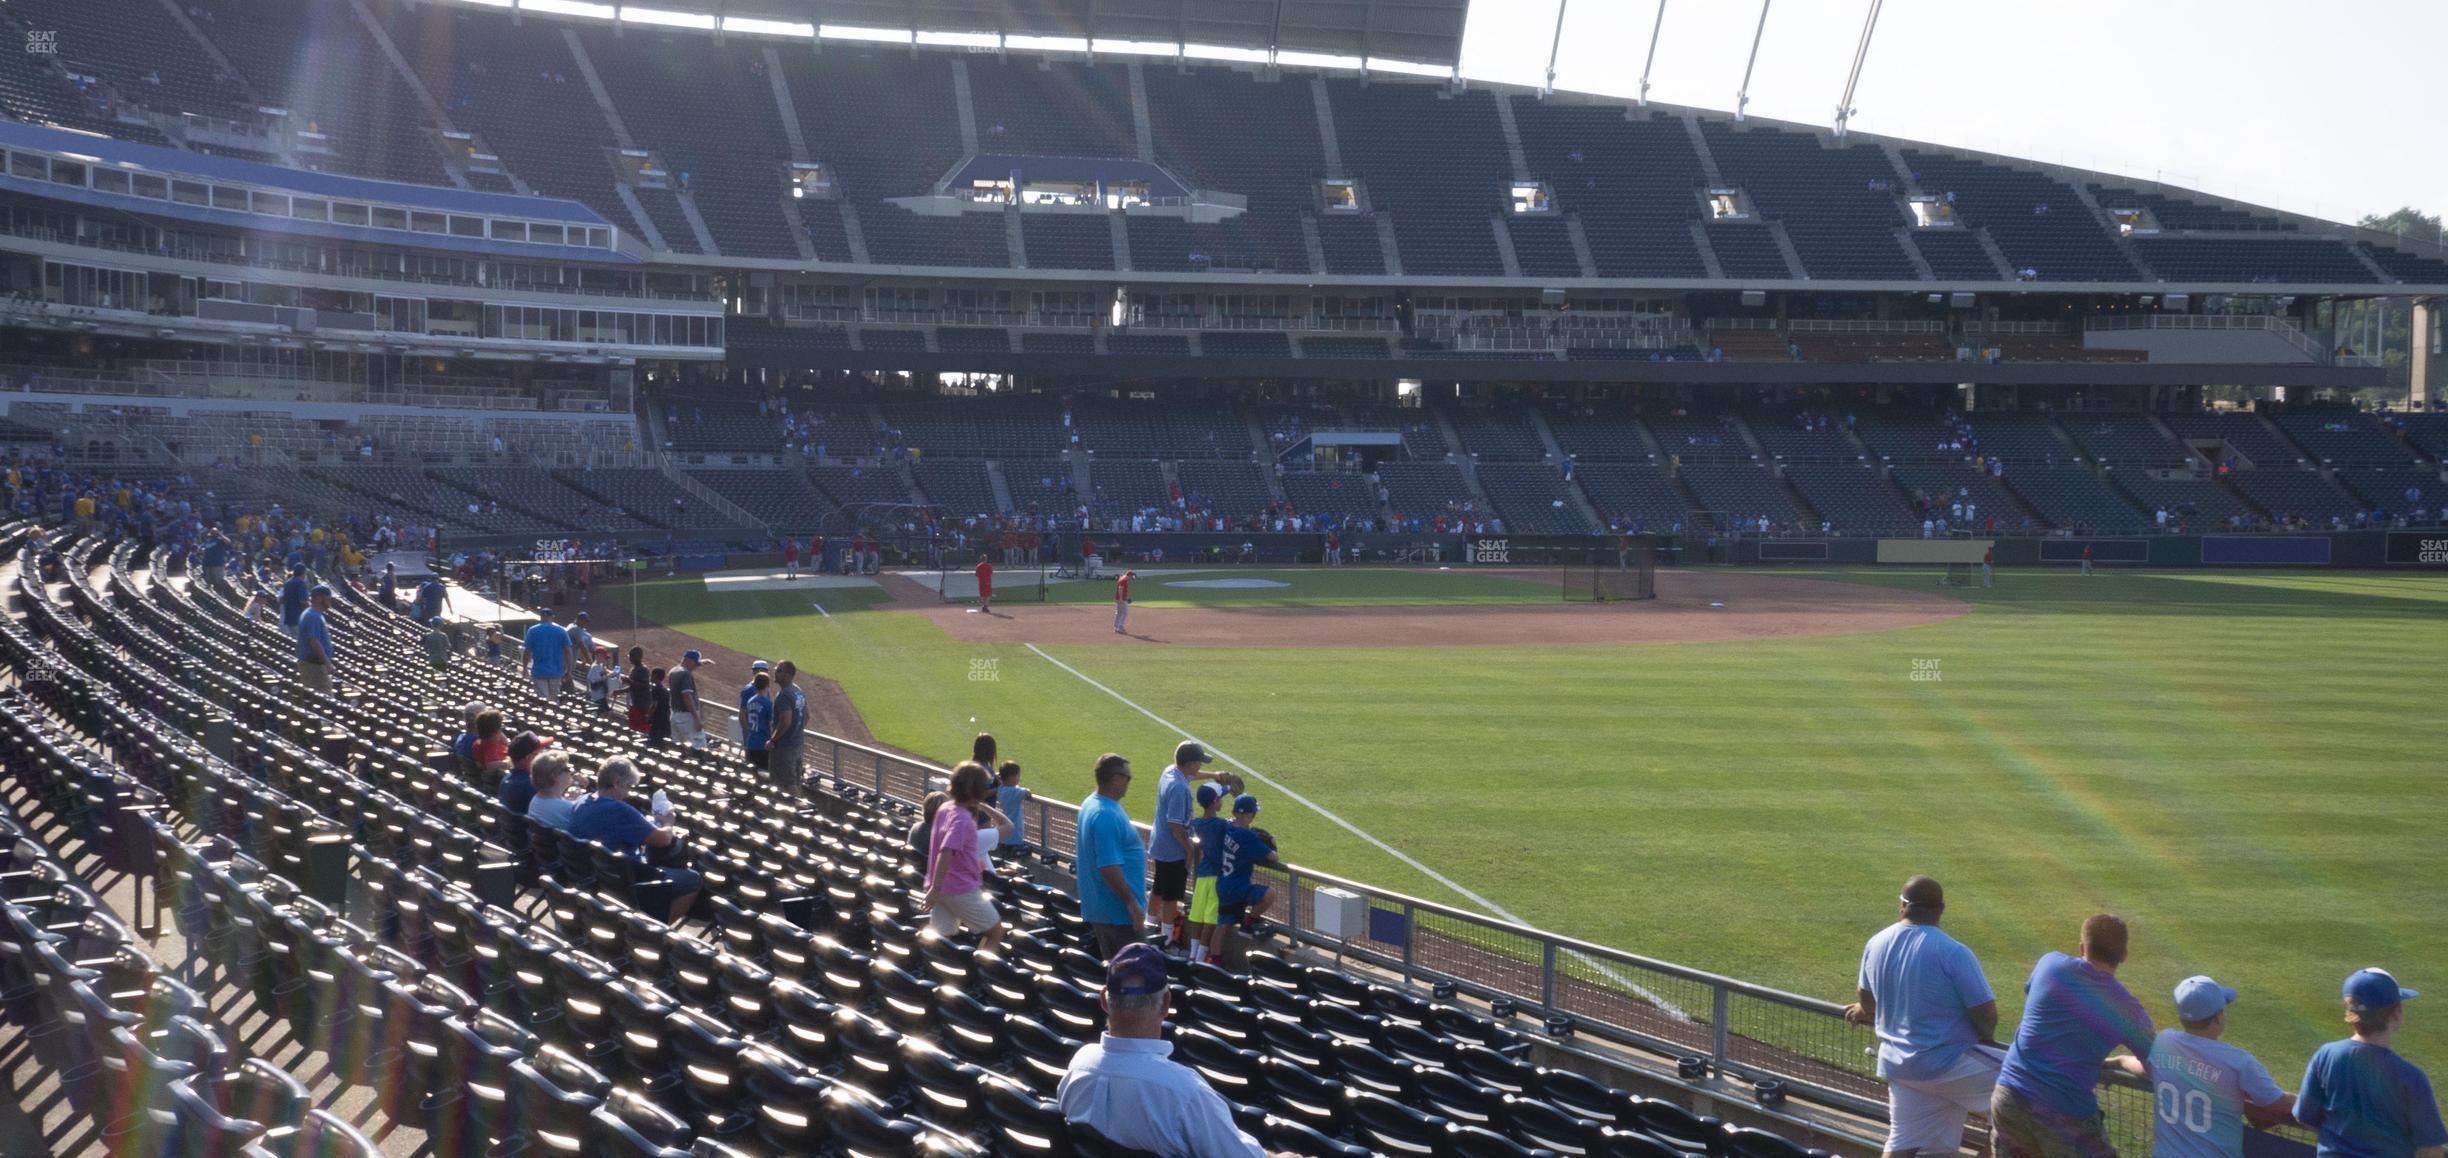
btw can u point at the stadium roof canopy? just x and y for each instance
(1419, 31)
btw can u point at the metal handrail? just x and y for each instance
(1609, 993)
(1744, 1031)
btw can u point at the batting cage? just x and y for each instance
(1018, 575)
(1620, 573)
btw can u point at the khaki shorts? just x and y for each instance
(970, 910)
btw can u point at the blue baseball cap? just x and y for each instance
(1209, 794)
(2376, 989)
(1137, 970)
(692, 656)
(1245, 803)
(2200, 998)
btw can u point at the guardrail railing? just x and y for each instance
(1746, 1032)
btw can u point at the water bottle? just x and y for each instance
(661, 805)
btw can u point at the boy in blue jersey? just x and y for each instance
(1207, 839)
(2364, 1099)
(1238, 900)
(2204, 1091)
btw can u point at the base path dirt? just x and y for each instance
(1691, 607)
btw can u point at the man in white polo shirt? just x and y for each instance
(2205, 1090)
(1127, 1086)
(1937, 1023)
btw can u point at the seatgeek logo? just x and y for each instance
(2431, 551)
(1491, 551)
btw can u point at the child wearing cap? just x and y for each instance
(2358, 1093)
(1207, 839)
(599, 680)
(2207, 1090)
(1240, 901)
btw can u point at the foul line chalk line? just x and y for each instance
(1492, 907)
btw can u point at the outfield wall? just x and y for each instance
(2416, 549)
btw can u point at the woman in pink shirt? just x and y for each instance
(955, 896)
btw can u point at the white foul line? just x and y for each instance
(820, 609)
(1348, 826)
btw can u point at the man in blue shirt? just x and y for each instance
(608, 818)
(2365, 1100)
(1935, 1016)
(215, 555)
(2204, 1090)
(1110, 862)
(1169, 842)
(547, 646)
(429, 598)
(1238, 900)
(314, 645)
(2075, 1012)
(293, 599)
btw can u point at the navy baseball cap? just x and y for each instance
(692, 656)
(1190, 752)
(2200, 998)
(1208, 794)
(544, 612)
(2376, 989)
(1137, 970)
(319, 589)
(1245, 803)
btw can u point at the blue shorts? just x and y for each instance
(1230, 911)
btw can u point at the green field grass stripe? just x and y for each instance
(1491, 907)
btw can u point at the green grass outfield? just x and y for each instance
(2246, 764)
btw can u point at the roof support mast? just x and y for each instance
(1556, 44)
(1654, 26)
(1861, 53)
(1742, 96)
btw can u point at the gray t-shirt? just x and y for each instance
(682, 681)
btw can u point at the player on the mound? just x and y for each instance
(1122, 602)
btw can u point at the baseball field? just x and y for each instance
(1737, 775)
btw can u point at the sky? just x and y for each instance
(2326, 109)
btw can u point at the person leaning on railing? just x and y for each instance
(1936, 1018)
(2366, 1101)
